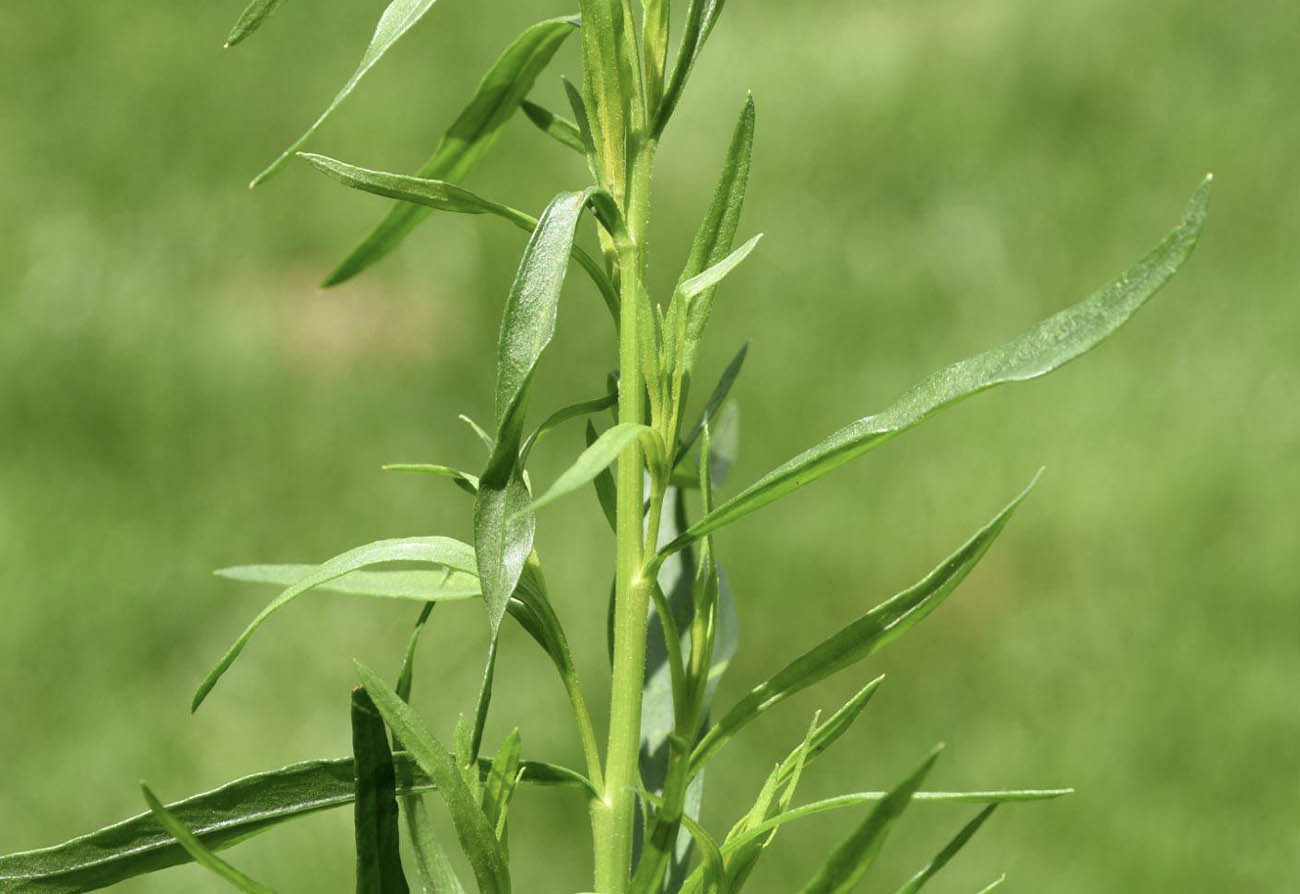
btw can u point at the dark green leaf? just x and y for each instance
(860, 639)
(504, 539)
(606, 490)
(379, 861)
(477, 838)
(1052, 343)
(395, 21)
(504, 86)
(251, 19)
(197, 851)
(712, 405)
(435, 550)
(220, 818)
(701, 16)
(562, 130)
(917, 882)
(499, 786)
(406, 676)
(851, 860)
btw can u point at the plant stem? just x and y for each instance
(612, 816)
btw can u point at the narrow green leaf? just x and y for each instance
(420, 586)
(863, 637)
(851, 860)
(597, 458)
(406, 676)
(220, 818)
(396, 20)
(917, 882)
(251, 19)
(606, 96)
(477, 838)
(499, 786)
(606, 490)
(379, 861)
(562, 130)
(504, 539)
(463, 480)
(197, 851)
(701, 16)
(583, 122)
(564, 414)
(712, 405)
(717, 231)
(435, 550)
(504, 86)
(996, 883)
(1047, 346)
(710, 277)
(488, 441)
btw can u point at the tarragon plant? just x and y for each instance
(671, 616)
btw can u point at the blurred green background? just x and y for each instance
(932, 177)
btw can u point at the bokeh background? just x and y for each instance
(176, 395)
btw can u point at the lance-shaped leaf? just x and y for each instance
(420, 586)
(444, 196)
(717, 231)
(499, 786)
(604, 91)
(379, 861)
(562, 130)
(860, 639)
(711, 277)
(435, 550)
(597, 458)
(564, 414)
(606, 490)
(197, 851)
(476, 835)
(504, 86)
(918, 881)
(701, 16)
(851, 860)
(395, 21)
(994, 885)
(463, 480)
(1047, 346)
(220, 818)
(251, 19)
(712, 405)
(503, 538)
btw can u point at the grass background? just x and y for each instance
(932, 177)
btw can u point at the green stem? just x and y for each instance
(612, 815)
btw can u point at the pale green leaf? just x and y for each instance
(419, 586)
(606, 490)
(596, 458)
(463, 480)
(710, 277)
(863, 637)
(442, 551)
(499, 786)
(1052, 343)
(395, 21)
(564, 414)
(473, 133)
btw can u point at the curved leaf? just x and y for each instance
(504, 86)
(420, 586)
(710, 277)
(395, 21)
(1047, 346)
(860, 639)
(712, 405)
(596, 459)
(197, 851)
(463, 480)
(436, 550)
(562, 130)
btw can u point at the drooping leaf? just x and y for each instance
(860, 639)
(503, 539)
(444, 196)
(918, 881)
(465, 481)
(442, 551)
(713, 404)
(477, 838)
(421, 586)
(220, 818)
(717, 232)
(395, 21)
(197, 851)
(379, 861)
(1047, 346)
(406, 676)
(851, 860)
(254, 14)
(562, 130)
(597, 458)
(504, 86)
